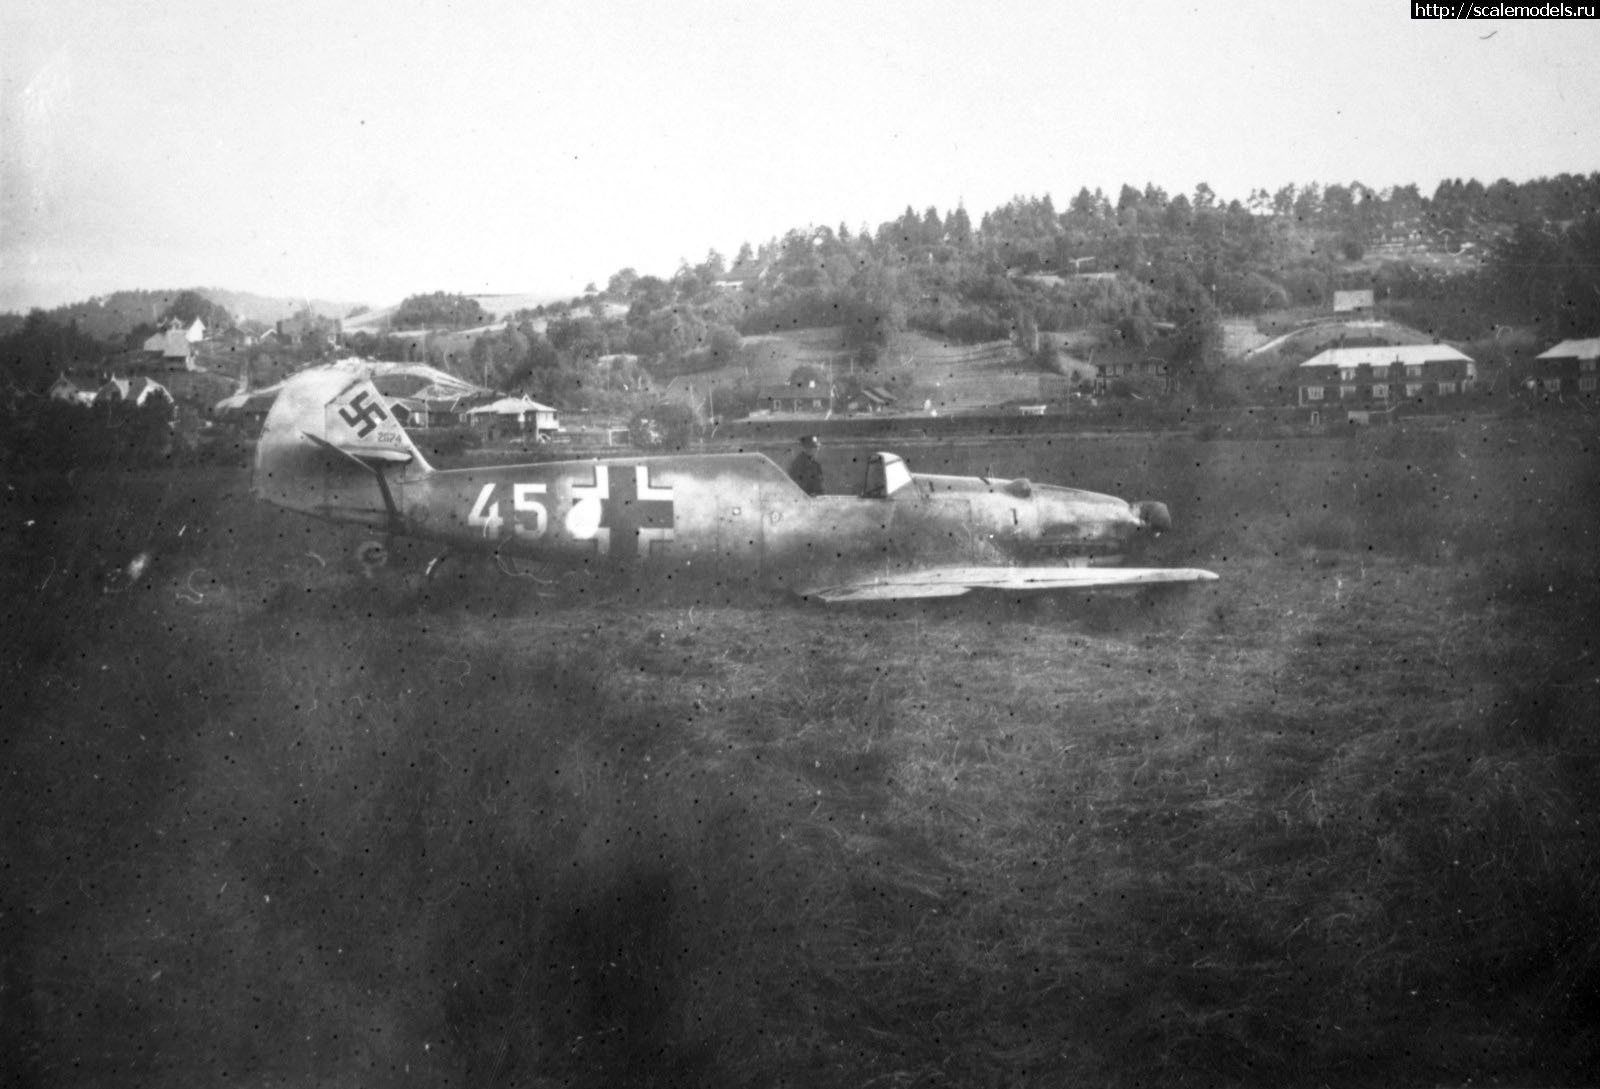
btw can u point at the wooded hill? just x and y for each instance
(1149, 267)
(1143, 267)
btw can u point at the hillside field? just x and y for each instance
(949, 377)
(375, 319)
(1328, 821)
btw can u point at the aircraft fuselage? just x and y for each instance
(731, 513)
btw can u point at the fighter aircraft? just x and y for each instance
(332, 448)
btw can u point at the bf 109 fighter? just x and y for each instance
(331, 447)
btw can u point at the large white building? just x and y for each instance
(1375, 377)
(515, 414)
(1573, 366)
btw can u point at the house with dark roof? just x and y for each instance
(870, 399)
(1573, 366)
(1142, 371)
(294, 330)
(170, 349)
(807, 399)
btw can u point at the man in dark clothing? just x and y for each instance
(804, 469)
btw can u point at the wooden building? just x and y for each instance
(1148, 373)
(514, 415)
(172, 348)
(809, 398)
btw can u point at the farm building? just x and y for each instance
(294, 330)
(871, 399)
(173, 347)
(514, 414)
(1569, 367)
(1149, 373)
(808, 398)
(1362, 378)
(1345, 302)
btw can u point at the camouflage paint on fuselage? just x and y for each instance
(331, 449)
(739, 512)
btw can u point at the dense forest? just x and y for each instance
(1460, 264)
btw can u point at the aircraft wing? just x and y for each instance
(955, 581)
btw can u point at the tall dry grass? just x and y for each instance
(1329, 821)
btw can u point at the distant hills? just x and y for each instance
(110, 318)
(373, 320)
(951, 312)
(250, 307)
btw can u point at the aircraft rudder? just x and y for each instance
(321, 412)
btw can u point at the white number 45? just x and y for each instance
(485, 512)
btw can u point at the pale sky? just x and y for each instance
(365, 150)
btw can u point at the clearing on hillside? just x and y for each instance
(941, 376)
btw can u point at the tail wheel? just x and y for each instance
(371, 555)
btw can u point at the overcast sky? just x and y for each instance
(366, 150)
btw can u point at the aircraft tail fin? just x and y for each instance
(325, 417)
(338, 406)
(360, 421)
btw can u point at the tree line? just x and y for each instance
(1143, 266)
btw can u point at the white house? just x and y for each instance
(1381, 375)
(138, 391)
(1347, 301)
(1573, 366)
(515, 413)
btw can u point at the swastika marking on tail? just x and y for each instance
(363, 415)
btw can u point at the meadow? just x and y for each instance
(1328, 821)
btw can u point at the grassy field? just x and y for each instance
(1329, 821)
